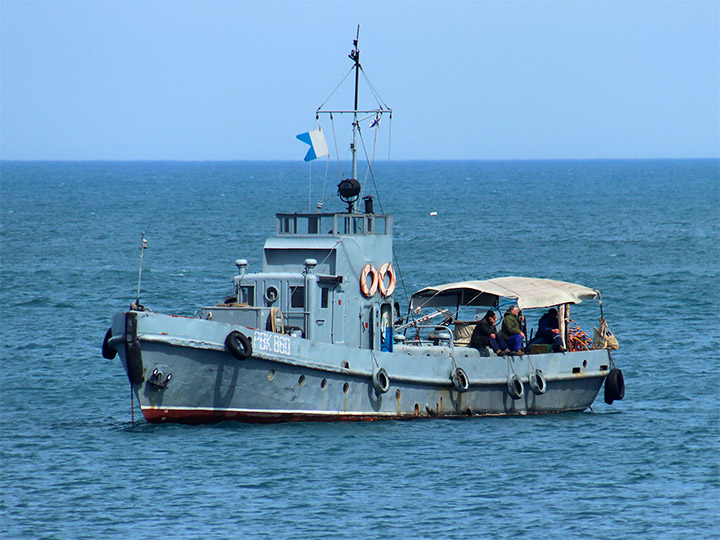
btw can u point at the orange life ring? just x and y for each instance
(369, 292)
(387, 270)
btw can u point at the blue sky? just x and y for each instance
(466, 80)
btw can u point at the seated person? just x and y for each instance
(549, 331)
(512, 330)
(485, 335)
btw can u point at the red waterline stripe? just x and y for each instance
(206, 416)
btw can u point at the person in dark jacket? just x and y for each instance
(512, 330)
(485, 335)
(549, 331)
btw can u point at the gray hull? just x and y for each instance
(181, 371)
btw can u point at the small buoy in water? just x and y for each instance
(433, 213)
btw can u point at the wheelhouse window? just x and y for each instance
(247, 295)
(313, 225)
(324, 296)
(287, 225)
(297, 297)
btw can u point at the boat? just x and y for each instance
(318, 335)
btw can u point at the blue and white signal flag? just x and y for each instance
(318, 145)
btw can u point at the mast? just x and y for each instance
(355, 56)
(349, 189)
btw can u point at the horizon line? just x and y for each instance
(299, 161)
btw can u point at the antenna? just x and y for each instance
(143, 247)
(355, 57)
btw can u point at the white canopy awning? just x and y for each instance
(527, 292)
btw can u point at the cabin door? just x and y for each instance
(367, 331)
(337, 334)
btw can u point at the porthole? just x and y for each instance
(346, 388)
(271, 375)
(417, 409)
(397, 394)
(301, 380)
(323, 384)
(271, 294)
(345, 364)
(584, 363)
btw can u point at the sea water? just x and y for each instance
(646, 233)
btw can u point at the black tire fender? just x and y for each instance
(460, 379)
(238, 345)
(380, 380)
(614, 386)
(538, 384)
(107, 351)
(515, 387)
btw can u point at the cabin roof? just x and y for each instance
(528, 292)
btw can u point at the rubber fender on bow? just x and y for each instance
(460, 379)
(614, 386)
(380, 380)
(133, 353)
(538, 384)
(516, 388)
(107, 351)
(239, 345)
(133, 356)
